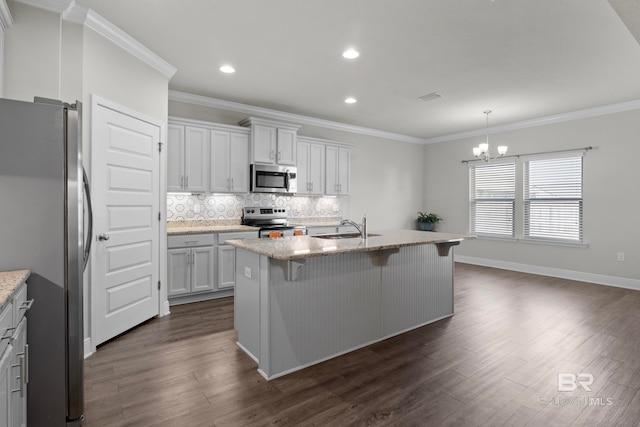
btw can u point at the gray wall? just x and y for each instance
(386, 176)
(611, 201)
(49, 57)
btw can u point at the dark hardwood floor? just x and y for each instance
(495, 362)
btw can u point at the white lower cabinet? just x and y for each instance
(5, 389)
(226, 267)
(19, 377)
(190, 264)
(14, 360)
(199, 269)
(227, 257)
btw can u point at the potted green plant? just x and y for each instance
(426, 221)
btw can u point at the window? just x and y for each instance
(492, 199)
(553, 199)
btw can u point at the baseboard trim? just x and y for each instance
(88, 350)
(599, 279)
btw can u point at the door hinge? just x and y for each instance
(160, 146)
(158, 284)
(159, 216)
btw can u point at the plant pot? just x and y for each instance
(426, 226)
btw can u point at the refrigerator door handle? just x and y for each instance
(89, 232)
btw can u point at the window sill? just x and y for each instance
(555, 243)
(533, 241)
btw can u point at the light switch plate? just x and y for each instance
(247, 272)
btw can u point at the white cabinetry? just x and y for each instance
(227, 257)
(14, 359)
(5, 389)
(188, 158)
(338, 170)
(201, 269)
(19, 379)
(190, 264)
(272, 143)
(229, 161)
(311, 166)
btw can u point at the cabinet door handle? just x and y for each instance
(181, 181)
(7, 334)
(186, 180)
(231, 184)
(26, 363)
(271, 154)
(26, 305)
(21, 376)
(279, 155)
(311, 186)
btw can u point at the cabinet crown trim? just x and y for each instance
(258, 121)
(324, 141)
(204, 124)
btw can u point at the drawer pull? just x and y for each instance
(26, 305)
(21, 376)
(7, 334)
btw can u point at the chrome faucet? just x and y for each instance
(362, 228)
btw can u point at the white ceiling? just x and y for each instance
(523, 59)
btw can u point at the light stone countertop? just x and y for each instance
(212, 226)
(9, 282)
(300, 247)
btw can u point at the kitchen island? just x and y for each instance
(305, 299)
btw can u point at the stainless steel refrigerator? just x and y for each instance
(44, 212)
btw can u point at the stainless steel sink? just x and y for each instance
(342, 236)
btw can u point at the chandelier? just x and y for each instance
(482, 150)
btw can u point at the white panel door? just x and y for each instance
(175, 158)
(286, 147)
(125, 166)
(220, 174)
(226, 267)
(239, 163)
(178, 272)
(196, 157)
(264, 141)
(316, 169)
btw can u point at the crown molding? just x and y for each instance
(82, 15)
(542, 121)
(6, 20)
(79, 14)
(289, 117)
(57, 6)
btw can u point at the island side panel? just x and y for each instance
(417, 286)
(332, 308)
(247, 302)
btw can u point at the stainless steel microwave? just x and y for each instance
(274, 179)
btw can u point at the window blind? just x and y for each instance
(553, 199)
(492, 199)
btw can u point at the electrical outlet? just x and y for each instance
(620, 256)
(247, 272)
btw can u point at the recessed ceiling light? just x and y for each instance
(350, 100)
(350, 53)
(227, 69)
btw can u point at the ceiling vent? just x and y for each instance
(431, 96)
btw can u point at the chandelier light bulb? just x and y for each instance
(482, 150)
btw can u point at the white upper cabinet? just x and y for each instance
(338, 171)
(311, 166)
(188, 158)
(272, 143)
(207, 157)
(229, 161)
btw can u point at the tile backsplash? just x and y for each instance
(190, 207)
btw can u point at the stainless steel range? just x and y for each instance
(273, 222)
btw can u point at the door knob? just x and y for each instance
(103, 236)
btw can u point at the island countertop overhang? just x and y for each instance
(301, 247)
